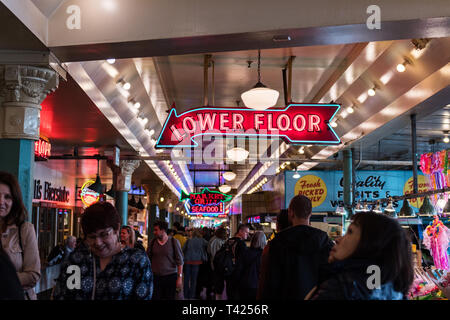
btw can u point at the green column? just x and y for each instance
(17, 158)
(170, 214)
(162, 214)
(348, 182)
(121, 200)
(152, 210)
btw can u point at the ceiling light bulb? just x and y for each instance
(301, 150)
(371, 92)
(111, 61)
(161, 199)
(143, 121)
(350, 110)
(401, 67)
(224, 188)
(237, 154)
(446, 140)
(296, 175)
(229, 176)
(137, 105)
(334, 124)
(127, 86)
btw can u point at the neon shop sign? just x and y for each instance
(295, 124)
(205, 203)
(42, 149)
(88, 196)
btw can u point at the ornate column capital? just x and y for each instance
(153, 190)
(127, 168)
(22, 89)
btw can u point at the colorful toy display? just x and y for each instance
(436, 238)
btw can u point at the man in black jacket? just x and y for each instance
(10, 288)
(239, 251)
(297, 258)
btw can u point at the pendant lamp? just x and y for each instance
(296, 175)
(359, 207)
(441, 202)
(97, 186)
(389, 210)
(427, 208)
(111, 192)
(366, 207)
(224, 188)
(229, 176)
(237, 154)
(132, 202)
(140, 204)
(340, 210)
(406, 210)
(260, 97)
(447, 207)
(377, 208)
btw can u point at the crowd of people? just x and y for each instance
(298, 262)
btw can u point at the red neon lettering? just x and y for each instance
(192, 123)
(314, 121)
(258, 121)
(269, 122)
(303, 121)
(176, 133)
(287, 122)
(237, 121)
(223, 121)
(207, 120)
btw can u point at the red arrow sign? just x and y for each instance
(296, 124)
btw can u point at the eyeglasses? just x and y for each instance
(103, 235)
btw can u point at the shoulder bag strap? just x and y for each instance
(173, 248)
(19, 232)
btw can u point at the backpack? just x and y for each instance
(225, 259)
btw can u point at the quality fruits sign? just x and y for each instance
(296, 124)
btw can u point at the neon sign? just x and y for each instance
(88, 197)
(205, 203)
(42, 148)
(296, 124)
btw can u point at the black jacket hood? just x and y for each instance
(303, 239)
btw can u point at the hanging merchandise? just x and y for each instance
(436, 238)
(435, 167)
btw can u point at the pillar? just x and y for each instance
(348, 182)
(123, 185)
(22, 90)
(414, 152)
(152, 188)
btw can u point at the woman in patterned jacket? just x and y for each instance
(105, 271)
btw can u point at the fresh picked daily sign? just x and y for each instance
(296, 124)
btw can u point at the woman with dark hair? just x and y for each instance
(107, 271)
(18, 238)
(373, 261)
